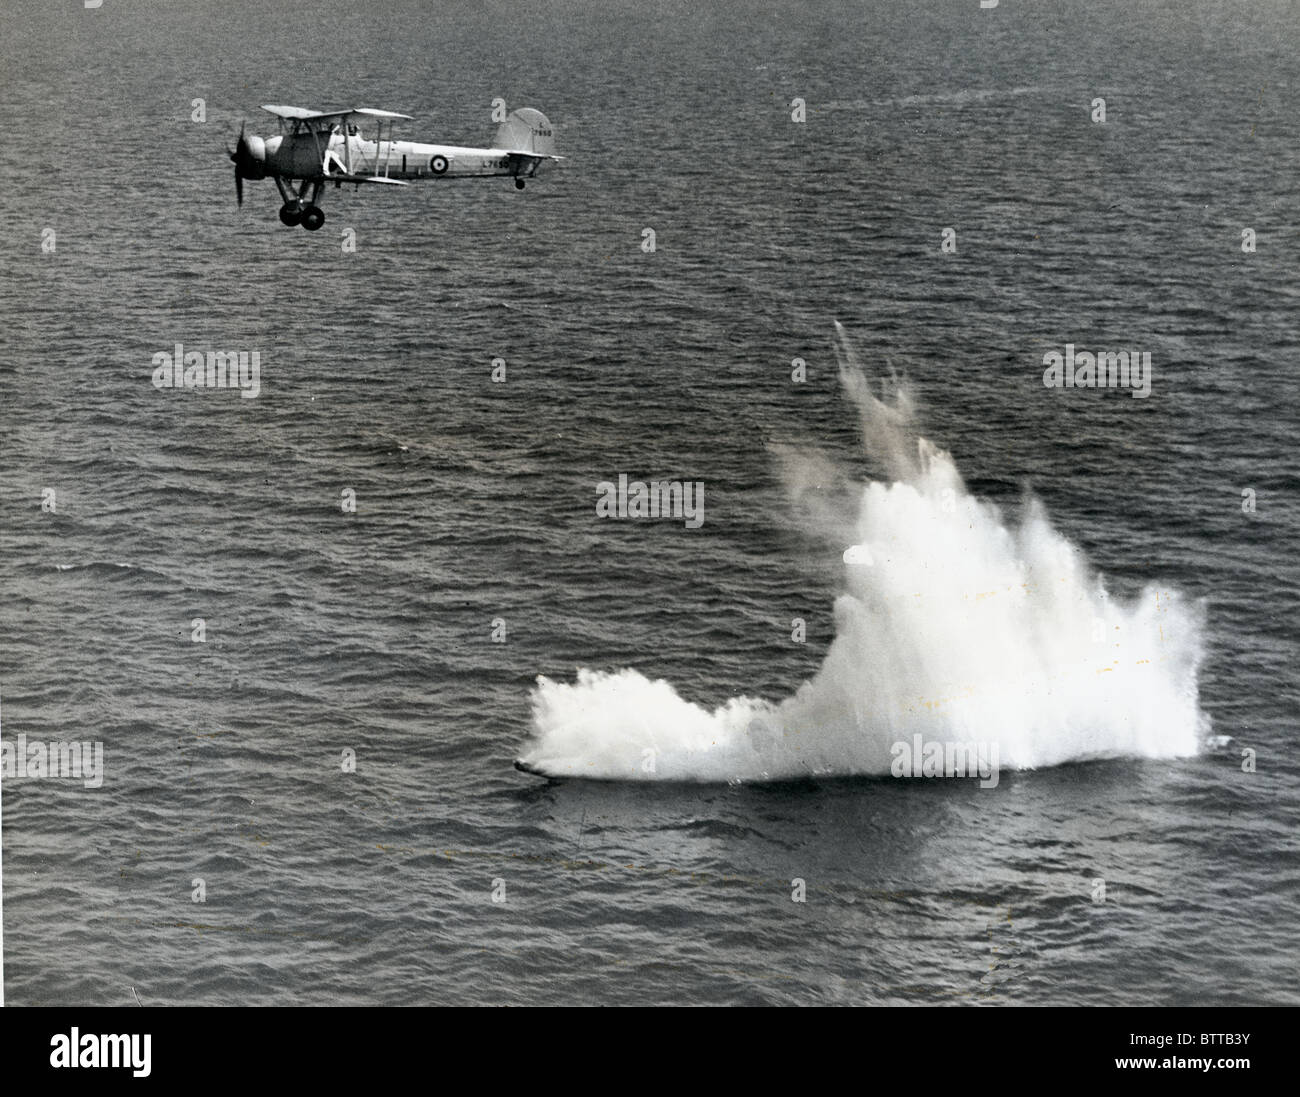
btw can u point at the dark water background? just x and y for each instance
(372, 631)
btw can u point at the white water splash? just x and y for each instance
(954, 624)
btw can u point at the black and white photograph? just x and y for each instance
(650, 503)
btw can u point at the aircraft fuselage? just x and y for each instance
(303, 155)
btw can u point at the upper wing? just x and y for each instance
(301, 115)
(298, 113)
(370, 112)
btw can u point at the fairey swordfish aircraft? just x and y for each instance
(316, 147)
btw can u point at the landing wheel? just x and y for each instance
(312, 218)
(519, 184)
(290, 213)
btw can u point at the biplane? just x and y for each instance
(315, 148)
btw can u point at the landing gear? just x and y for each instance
(297, 210)
(519, 184)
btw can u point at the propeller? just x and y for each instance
(238, 154)
(249, 158)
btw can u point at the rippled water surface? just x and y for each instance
(376, 632)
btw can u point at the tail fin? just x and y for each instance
(526, 130)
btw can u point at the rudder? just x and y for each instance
(526, 130)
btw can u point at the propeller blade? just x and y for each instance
(239, 154)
